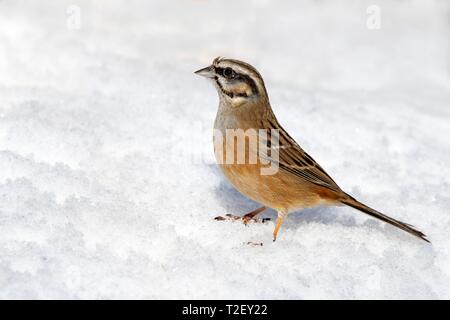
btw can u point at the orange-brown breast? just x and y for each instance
(280, 191)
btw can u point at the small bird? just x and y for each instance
(299, 181)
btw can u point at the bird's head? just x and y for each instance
(237, 82)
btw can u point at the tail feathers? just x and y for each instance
(350, 201)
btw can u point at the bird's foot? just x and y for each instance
(246, 219)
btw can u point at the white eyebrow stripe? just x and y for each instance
(238, 68)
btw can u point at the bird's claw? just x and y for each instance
(245, 219)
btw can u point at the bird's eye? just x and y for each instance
(228, 73)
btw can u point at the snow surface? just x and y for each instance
(108, 187)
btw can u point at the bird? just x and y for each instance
(298, 181)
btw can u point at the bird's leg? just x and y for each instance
(245, 218)
(280, 219)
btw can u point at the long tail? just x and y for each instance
(352, 202)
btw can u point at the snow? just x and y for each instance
(108, 186)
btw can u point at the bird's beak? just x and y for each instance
(207, 72)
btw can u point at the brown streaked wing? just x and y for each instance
(293, 159)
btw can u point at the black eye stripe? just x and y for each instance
(221, 71)
(238, 76)
(249, 81)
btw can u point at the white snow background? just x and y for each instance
(108, 186)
